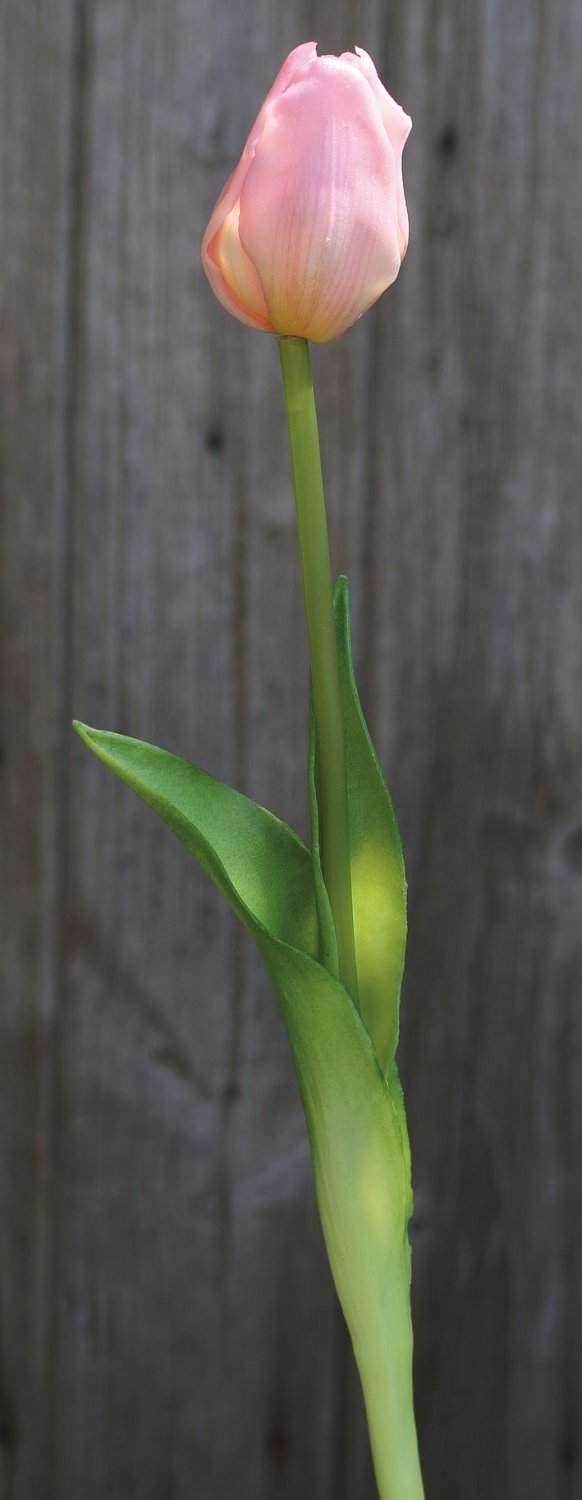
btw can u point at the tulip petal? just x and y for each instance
(317, 214)
(398, 126)
(231, 274)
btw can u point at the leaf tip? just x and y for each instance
(83, 730)
(90, 737)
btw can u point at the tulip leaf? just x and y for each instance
(355, 1116)
(361, 1160)
(328, 954)
(377, 865)
(258, 863)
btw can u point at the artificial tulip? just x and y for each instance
(309, 231)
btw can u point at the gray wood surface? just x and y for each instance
(168, 1329)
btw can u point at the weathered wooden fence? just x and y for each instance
(167, 1321)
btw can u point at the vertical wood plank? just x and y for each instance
(37, 47)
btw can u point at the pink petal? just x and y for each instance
(398, 126)
(318, 213)
(231, 274)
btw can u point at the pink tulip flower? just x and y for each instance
(312, 226)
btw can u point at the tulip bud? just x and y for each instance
(312, 226)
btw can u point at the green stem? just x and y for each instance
(385, 1365)
(317, 587)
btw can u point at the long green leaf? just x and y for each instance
(258, 862)
(328, 954)
(355, 1118)
(377, 865)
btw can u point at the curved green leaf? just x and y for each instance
(377, 865)
(361, 1159)
(355, 1117)
(328, 954)
(258, 862)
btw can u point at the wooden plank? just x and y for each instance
(474, 607)
(36, 161)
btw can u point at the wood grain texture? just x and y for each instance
(168, 1329)
(37, 91)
